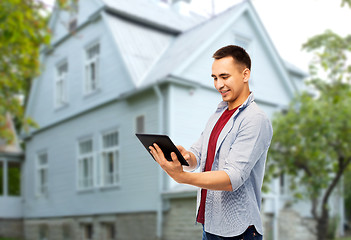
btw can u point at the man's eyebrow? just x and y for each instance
(224, 74)
(221, 75)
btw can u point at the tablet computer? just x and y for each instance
(164, 142)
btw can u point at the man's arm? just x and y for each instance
(213, 180)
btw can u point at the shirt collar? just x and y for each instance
(223, 105)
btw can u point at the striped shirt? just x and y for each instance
(241, 152)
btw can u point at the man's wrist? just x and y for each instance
(181, 178)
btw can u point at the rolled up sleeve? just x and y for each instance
(250, 145)
(196, 149)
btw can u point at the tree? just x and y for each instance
(23, 29)
(348, 2)
(312, 138)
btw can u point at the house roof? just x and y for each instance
(138, 46)
(150, 56)
(145, 11)
(191, 43)
(187, 44)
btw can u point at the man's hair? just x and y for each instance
(239, 55)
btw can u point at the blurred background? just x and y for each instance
(80, 78)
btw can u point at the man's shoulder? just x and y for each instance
(254, 111)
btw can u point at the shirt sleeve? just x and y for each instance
(251, 143)
(196, 149)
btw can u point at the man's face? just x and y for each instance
(231, 81)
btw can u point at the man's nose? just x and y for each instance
(219, 84)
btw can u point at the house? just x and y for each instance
(116, 68)
(11, 160)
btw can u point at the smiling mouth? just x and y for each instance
(223, 92)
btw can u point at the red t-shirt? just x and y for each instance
(211, 151)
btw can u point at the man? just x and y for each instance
(231, 154)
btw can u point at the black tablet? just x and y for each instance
(164, 142)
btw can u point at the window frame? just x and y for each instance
(3, 177)
(108, 230)
(87, 229)
(115, 150)
(88, 88)
(61, 98)
(10, 165)
(73, 15)
(90, 157)
(136, 123)
(42, 189)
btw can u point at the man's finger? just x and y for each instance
(189, 156)
(153, 153)
(174, 158)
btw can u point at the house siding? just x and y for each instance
(113, 77)
(61, 19)
(138, 173)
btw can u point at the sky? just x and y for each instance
(289, 23)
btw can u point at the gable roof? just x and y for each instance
(138, 46)
(145, 12)
(151, 57)
(187, 46)
(196, 40)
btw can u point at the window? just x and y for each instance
(1, 178)
(14, 178)
(110, 158)
(87, 231)
(60, 85)
(42, 174)
(140, 124)
(72, 26)
(43, 232)
(66, 232)
(85, 164)
(109, 231)
(73, 12)
(92, 68)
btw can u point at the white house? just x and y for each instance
(119, 67)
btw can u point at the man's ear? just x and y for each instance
(246, 75)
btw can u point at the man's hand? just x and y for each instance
(173, 168)
(214, 180)
(189, 157)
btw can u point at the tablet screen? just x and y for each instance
(164, 142)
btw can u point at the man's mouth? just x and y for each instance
(224, 92)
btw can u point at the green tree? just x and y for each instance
(348, 2)
(312, 138)
(23, 29)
